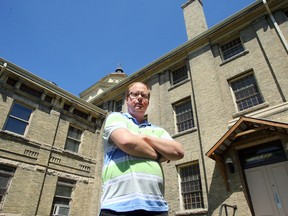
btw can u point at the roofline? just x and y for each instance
(203, 37)
(91, 88)
(50, 87)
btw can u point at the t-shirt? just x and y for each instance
(131, 183)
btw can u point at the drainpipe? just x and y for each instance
(47, 165)
(279, 32)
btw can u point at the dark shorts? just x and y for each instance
(105, 212)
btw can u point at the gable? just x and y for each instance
(244, 126)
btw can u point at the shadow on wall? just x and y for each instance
(218, 193)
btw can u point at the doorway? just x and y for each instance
(266, 171)
(268, 188)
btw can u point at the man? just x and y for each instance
(133, 149)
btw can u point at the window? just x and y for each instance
(286, 13)
(6, 174)
(232, 48)
(191, 190)
(184, 116)
(81, 114)
(30, 90)
(62, 198)
(118, 106)
(18, 119)
(11, 81)
(246, 92)
(260, 155)
(73, 139)
(179, 75)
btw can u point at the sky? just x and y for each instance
(75, 43)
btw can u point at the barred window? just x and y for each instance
(73, 139)
(179, 75)
(232, 48)
(191, 189)
(246, 92)
(118, 105)
(18, 119)
(184, 115)
(6, 174)
(62, 198)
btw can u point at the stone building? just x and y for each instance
(50, 161)
(223, 94)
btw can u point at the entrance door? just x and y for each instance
(268, 187)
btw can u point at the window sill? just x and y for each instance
(234, 57)
(75, 155)
(192, 212)
(191, 130)
(178, 84)
(249, 110)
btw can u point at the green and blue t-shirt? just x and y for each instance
(131, 183)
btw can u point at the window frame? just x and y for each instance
(9, 173)
(254, 86)
(16, 118)
(179, 69)
(58, 199)
(186, 121)
(70, 140)
(118, 104)
(199, 191)
(232, 51)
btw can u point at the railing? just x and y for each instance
(225, 206)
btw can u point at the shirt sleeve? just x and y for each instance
(113, 121)
(166, 135)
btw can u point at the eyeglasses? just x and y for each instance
(134, 95)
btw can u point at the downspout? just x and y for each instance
(279, 32)
(48, 162)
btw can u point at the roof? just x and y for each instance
(50, 87)
(244, 126)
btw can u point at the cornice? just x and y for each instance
(50, 87)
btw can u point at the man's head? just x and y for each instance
(137, 99)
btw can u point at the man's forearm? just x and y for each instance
(133, 144)
(169, 149)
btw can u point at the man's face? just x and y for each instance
(138, 99)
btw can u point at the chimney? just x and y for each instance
(194, 18)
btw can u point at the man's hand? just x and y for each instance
(168, 148)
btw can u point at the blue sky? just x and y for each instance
(76, 43)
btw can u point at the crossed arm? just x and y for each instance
(146, 146)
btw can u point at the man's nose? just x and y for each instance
(140, 98)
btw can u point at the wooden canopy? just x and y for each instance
(244, 126)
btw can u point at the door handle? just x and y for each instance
(277, 200)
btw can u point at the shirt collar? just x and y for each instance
(143, 124)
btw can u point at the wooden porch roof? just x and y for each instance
(244, 126)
